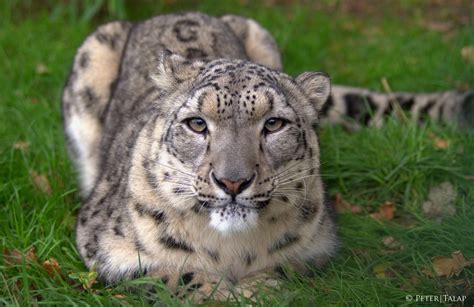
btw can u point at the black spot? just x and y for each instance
(214, 255)
(424, 116)
(250, 258)
(287, 240)
(280, 271)
(406, 103)
(91, 250)
(172, 243)
(139, 246)
(185, 30)
(140, 209)
(83, 220)
(178, 190)
(118, 231)
(307, 211)
(84, 59)
(95, 212)
(299, 185)
(158, 216)
(164, 279)
(108, 39)
(186, 278)
(89, 97)
(195, 287)
(284, 199)
(359, 107)
(194, 53)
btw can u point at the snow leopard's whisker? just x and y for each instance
(290, 202)
(282, 183)
(175, 169)
(288, 169)
(295, 172)
(303, 174)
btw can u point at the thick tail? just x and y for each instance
(354, 107)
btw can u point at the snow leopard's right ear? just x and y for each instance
(174, 69)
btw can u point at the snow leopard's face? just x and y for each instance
(241, 143)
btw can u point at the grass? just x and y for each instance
(397, 163)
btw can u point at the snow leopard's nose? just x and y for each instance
(232, 187)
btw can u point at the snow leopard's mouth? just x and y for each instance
(230, 206)
(233, 217)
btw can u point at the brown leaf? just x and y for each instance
(381, 270)
(386, 211)
(438, 142)
(119, 295)
(439, 26)
(390, 242)
(15, 257)
(467, 54)
(23, 146)
(41, 182)
(441, 143)
(41, 69)
(449, 266)
(343, 206)
(52, 266)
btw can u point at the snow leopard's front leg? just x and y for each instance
(86, 95)
(200, 287)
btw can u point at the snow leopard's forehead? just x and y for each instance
(239, 90)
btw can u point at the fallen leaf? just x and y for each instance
(42, 69)
(439, 26)
(52, 266)
(119, 295)
(449, 266)
(440, 203)
(41, 182)
(86, 279)
(467, 54)
(386, 211)
(381, 270)
(441, 143)
(343, 206)
(390, 242)
(15, 257)
(21, 145)
(34, 100)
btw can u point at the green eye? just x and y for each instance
(197, 124)
(274, 124)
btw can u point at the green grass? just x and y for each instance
(396, 163)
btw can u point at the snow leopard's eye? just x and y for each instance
(197, 124)
(274, 124)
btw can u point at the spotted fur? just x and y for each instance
(212, 210)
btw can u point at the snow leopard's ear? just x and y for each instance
(174, 69)
(316, 86)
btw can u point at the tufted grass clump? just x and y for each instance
(398, 163)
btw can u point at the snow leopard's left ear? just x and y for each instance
(174, 69)
(316, 86)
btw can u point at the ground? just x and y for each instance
(390, 253)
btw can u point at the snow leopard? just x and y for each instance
(198, 157)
